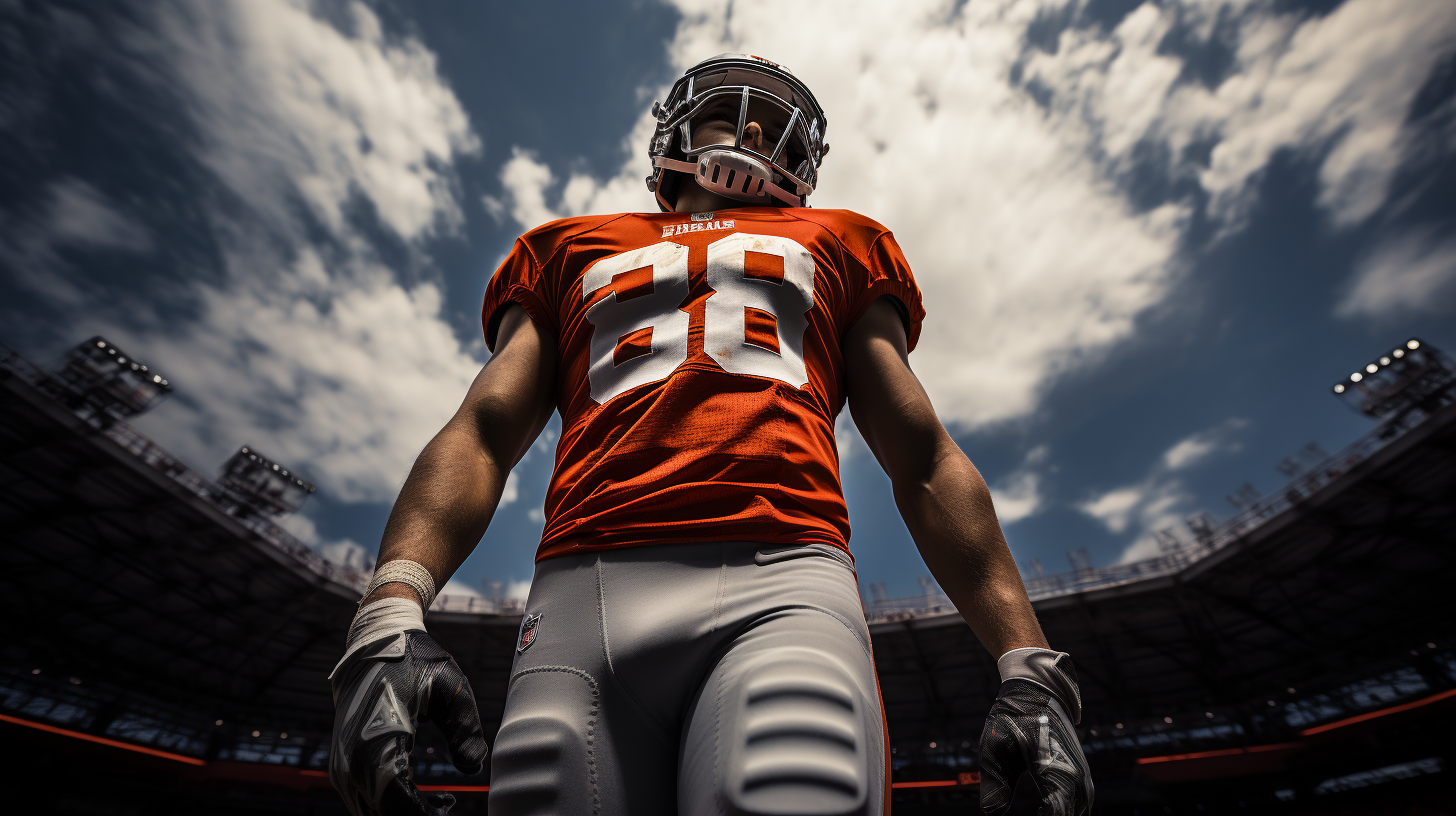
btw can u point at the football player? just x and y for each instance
(694, 641)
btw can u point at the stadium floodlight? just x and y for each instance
(262, 483)
(1415, 375)
(1168, 720)
(110, 382)
(219, 722)
(1339, 388)
(1208, 714)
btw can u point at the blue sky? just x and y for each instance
(1151, 236)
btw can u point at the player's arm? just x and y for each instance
(393, 673)
(947, 507)
(940, 494)
(456, 483)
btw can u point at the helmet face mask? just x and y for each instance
(724, 88)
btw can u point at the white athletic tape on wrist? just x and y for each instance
(403, 571)
(381, 619)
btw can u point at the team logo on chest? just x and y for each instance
(529, 626)
(701, 222)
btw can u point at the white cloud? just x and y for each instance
(79, 214)
(1338, 85)
(72, 215)
(1160, 501)
(307, 345)
(1018, 496)
(512, 490)
(294, 109)
(1414, 272)
(518, 590)
(1032, 258)
(1115, 507)
(459, 589)
(1196, 448)
(346, 389)
(344, 551)
(1188, 452)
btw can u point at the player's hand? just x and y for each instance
(380, 692)
(1029, 729)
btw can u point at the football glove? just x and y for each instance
(380, 690)
(1030, 728)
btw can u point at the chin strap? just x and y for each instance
(702, 172)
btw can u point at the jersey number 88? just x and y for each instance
(725, 322)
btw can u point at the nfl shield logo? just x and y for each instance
(529, 625)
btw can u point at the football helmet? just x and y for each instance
(720, 86)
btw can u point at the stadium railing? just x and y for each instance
(1051, 586)
(1184, 556)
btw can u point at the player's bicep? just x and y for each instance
(888, 403)
(514, 394)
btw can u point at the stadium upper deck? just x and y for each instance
(161, 616)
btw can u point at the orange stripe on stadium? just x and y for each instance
(66, 732)
(936, 783)
(1252, 749)
(1424, 701)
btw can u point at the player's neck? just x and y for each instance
(694, 199)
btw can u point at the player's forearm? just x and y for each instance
(949, 513)
(444, 507)
(456, 483)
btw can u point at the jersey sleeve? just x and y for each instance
(518, 280)
(886, 272)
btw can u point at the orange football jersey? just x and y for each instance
(699, 371)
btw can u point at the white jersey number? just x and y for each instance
(613, 319)
(725, 329)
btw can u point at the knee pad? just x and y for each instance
(544, 760)
(798, 738)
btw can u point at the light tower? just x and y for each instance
(262, 483)
(110, 382)
(1412, 376)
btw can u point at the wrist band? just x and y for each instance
(402, 571)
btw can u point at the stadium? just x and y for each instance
(170, 642)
